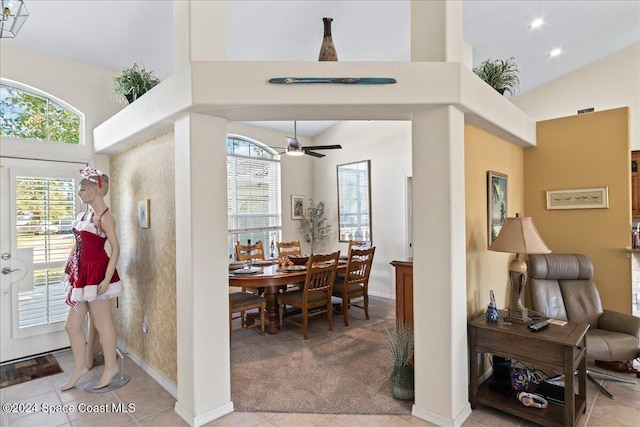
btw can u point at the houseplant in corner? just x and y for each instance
(313, 225)
(400, 345)
(133, 82)
(500, 74)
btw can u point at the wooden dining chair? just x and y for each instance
(355, 283)
(288, 248)
(315, 296)
(359, 244)
(241, 302)
(249, 252)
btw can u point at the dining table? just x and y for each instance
(271, 276)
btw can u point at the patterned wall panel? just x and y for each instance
(147, 259)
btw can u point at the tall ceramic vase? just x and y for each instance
(327, 50)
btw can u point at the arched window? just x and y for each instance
(25, 114)
(253, 193)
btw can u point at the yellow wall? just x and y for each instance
(147, 262)
(586, 151)
(487, 270)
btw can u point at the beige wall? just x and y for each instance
(487, 270)
(586, 151)
(147, 258)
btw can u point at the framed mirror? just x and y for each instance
(354, 201)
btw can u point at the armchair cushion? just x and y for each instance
(562, 287)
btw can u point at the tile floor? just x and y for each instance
(155, 407)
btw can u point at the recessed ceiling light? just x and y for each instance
(555, 52)
(536, 23)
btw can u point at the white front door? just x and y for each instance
(38, 201)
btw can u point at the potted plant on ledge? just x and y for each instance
(400, 345)
(314, 225)
(133, 82)
(500, 74)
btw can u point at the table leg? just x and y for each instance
(569, 396)
(271, 295)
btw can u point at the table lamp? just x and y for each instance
(519, 235)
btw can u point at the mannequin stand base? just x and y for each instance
(118, 381)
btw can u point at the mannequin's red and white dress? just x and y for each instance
(87, 264)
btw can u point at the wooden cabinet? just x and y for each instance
(635, 187)
(404, 291)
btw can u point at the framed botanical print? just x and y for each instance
(496, 203)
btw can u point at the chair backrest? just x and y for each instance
(248, 252)
(561, 287)
(359, 267)
(360, 244)
(288, 248)
(321, 273)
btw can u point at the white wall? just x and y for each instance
(609, 83)
(388, 145)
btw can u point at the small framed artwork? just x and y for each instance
(496, 203)
(585, 198)
(143, 213)
(297, 206)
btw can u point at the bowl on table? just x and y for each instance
(299, 259)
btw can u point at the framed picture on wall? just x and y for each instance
(297, 206)
(584, 198)
(143, 213)
(496, 203)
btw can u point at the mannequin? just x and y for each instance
(93, 280)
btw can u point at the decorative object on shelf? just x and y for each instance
(313, 225)
(492, 311)
(294, 148)
(133, 82)
(500, 74)
(144, 221)
(520, 236)
(336, 80)
(496, 203)
(586, 198)
(400, 345)
(297, 206)
(327, 50)
(14, 13)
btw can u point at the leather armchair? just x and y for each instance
(561, 287)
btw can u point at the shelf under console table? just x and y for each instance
(561, 348)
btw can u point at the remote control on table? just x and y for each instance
(538, 326)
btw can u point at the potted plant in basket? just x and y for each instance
(400, 345)
(313, 225)
(500, 74)
(133, 82)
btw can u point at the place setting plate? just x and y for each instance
(264, 262)
(294, 268)
(247, 271)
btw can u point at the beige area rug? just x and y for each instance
(345, 371)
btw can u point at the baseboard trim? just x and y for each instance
(157, 376)
(381, 295)
(202, 419)
(437, 419)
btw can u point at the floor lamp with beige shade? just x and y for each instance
(520, 236)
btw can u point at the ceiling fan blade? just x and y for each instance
(311, 153)
(324, 147)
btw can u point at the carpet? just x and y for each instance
(341, 372)
(27, 370)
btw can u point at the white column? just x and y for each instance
(202, 305)
(199, 31)
(436, 31)
(439, 243)
(439, 266)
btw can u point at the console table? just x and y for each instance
(404, 291)
(561, 348)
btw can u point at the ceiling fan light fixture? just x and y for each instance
(14, 13)
(295, 150)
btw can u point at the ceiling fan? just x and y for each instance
(294, 148)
